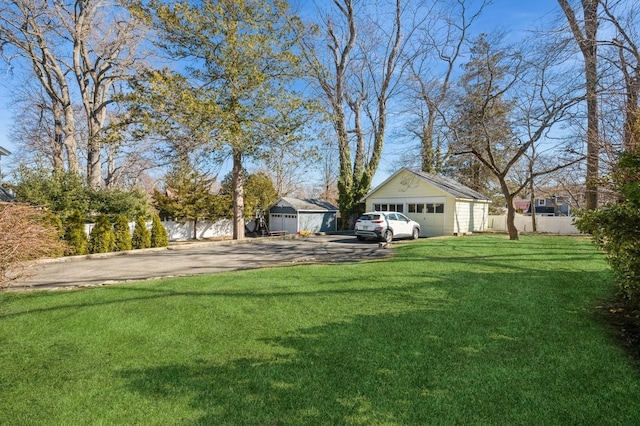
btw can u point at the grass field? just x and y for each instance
(469, 330)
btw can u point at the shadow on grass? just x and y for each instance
(452, 363)
(371, 370)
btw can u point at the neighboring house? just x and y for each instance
(554, 206)
(293, 215)
(439, 204)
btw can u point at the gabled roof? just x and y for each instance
(4, 151)
(448, 185)
(306, 204)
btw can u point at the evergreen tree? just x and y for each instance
(187, 195)
(75, 235)
(114, 202)
(159, 235)
(122, 234)
(61, 192)
(65, 193)
(245, 52)
(482, 128)
(101, 238)
(141, 236)
(259, 192)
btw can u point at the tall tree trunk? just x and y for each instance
(93, 164)
(58, 138)
(588, 46)
(511, 211)
(238, 195)
(426, 147)
(70, 144)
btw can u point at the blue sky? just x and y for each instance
(510, 15)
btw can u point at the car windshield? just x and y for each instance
(369, 217)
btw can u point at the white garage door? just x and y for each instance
(283, 222)
(430, 215)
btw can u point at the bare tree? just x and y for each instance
(29, 30)
(105, 46)
(85, 44)
(356, 66)
(31, 129)
(510, 104)
(438, 46)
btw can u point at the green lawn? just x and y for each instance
(468, 330)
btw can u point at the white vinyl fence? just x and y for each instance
(544, 224)
(181, 231)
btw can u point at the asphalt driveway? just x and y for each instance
(193, 258)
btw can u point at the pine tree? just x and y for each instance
(141, 236)
(122, 234)
(247, 53)
(159, 235)
(259, 192)
(187, 195)
(482, 128)
(101, 238)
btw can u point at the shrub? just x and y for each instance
(65, 192)
(159, 235)
(141, 235)
(101, 238)
(26, 234)
(75, 235)
(62, 192)
(616, 227)
(122, 234)
(114, 202)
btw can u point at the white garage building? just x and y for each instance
(439, 204)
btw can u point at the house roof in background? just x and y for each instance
(307, 204)
(4, 151)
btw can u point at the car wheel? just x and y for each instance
(360, 237)
(415, 234)
(388, 236)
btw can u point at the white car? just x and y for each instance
(385, 226)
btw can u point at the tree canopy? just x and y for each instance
(240, 79)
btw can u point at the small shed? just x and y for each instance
(293, 215)
(439, 204)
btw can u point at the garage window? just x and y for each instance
(435, 208)
(415, 208)
(389, 208)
